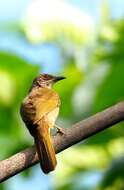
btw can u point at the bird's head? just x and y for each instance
(46, 80)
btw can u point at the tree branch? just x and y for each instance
(73, 135)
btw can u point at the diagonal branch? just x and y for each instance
(73, 135)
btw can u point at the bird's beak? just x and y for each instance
(56, 79)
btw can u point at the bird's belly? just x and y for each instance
(52, 116)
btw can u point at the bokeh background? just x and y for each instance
(84, 41)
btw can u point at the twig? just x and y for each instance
(73, 135)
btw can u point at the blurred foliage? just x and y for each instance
(16, 75)
(108, 50)
(96, 163)
(111, 90)
(73, 78)
(114, 173)
(40, 26)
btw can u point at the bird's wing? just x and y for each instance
(45, 101)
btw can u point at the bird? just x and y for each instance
(39, 111)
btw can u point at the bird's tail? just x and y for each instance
(44, 147)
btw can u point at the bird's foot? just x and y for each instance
(60, 130)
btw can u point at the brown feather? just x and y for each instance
(45, 148)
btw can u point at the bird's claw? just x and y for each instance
(60, 130)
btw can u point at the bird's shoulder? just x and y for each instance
(44, 94)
